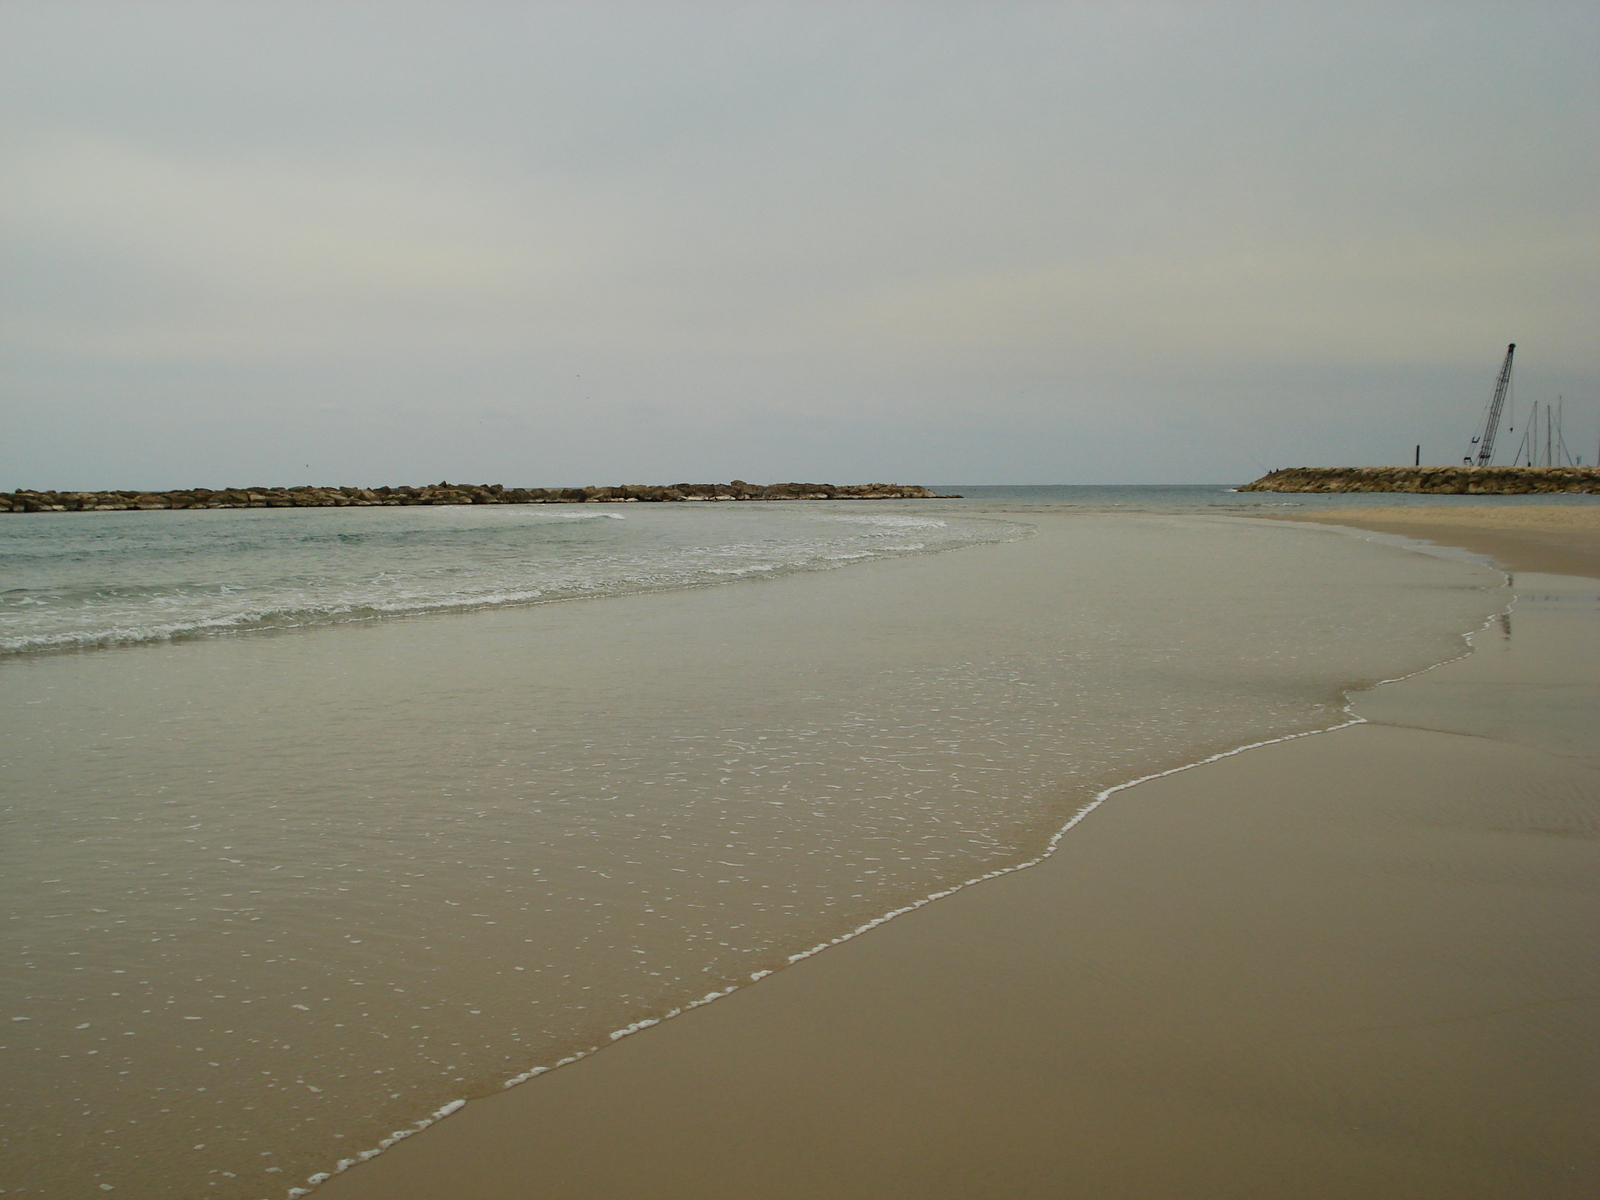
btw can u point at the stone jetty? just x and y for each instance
(1462, 481)
(26, 501)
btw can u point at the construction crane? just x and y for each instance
(1491, 422)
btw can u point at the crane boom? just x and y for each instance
(1491, 424)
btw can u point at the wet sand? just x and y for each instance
(1353, 964)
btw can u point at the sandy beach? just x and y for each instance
(398, 803)
(1351, 964)
(1558, 539)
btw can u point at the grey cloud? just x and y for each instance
(942, 241)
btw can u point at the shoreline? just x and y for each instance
(405, 864)
(674, 1086)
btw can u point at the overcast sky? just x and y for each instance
(946, 243)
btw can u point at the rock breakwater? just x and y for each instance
(27, 501)
(1465, 481)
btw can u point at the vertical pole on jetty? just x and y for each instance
(1418, 461)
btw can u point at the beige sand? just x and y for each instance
(1561, 539)
(1352, 965)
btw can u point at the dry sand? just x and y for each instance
(1559, 539)
(1359, 964)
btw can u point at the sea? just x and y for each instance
(320, 823)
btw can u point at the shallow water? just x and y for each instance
(84, 580)
(279, 895)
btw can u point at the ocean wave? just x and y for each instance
(99, 585)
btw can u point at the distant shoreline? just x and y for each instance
(1465, 481)
(306, 496)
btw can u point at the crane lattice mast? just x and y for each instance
(1491, 424)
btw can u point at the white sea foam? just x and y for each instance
(889, 521)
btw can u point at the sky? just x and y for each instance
(553, 244)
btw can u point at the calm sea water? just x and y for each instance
(319, 822)
(74, 581)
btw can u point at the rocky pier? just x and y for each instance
(28, 501)
(1461, 481)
